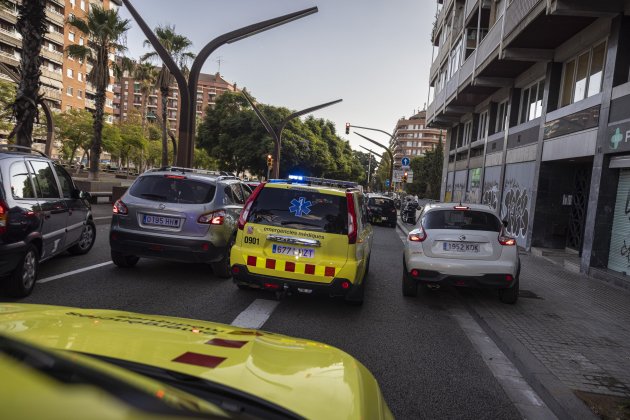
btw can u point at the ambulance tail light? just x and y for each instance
(248, 206)
(352, 219)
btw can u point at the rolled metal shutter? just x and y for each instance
(619, 255)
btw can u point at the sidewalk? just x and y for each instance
(567, 333)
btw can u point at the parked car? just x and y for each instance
(304, 235)
(42, 214)
(178, 214)
(461, 245)
(381, 210)
(59, 362)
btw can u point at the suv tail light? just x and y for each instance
(352, 219)
(242, 219)
(120, 208)
(417, 235)
(506, 240)
(213, 218)
(4, 217)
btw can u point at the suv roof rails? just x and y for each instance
(186, 170)
(20, 149)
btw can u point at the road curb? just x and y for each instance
(102, 220)
(558, 397)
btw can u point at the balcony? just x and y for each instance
(55, 37)
(54, 75)
(53, 95)
(55, 17)
(10, 15)
(11, 38)
(89, 103)
(9, 59)
(60, 3)
(54, 56)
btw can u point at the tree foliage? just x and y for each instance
(427, 173)
(233, 135)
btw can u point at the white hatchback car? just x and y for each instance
(461, 245)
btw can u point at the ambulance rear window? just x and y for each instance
(301, 209)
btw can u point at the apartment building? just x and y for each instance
(77, 93)
(128, 96)
(535, 98)
(412, 138)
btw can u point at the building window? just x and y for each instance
(69, 72)
(82, 4)
(582, 76)
(531, 101)
(71, 36)
(483, 126)
(79, 94)
(81, 41)
(69, 91)
(467, 132)
(80, 77)
(501, 114)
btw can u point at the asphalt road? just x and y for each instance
(425, 364)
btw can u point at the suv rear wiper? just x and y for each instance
(149, 195)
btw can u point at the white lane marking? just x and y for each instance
(526, 400)
(102, 218)
(72, 273)
(256, 314)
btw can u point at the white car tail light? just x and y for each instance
(506, 240)
(417, 235)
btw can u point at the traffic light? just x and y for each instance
(347, 128)
(404, 178)
(269, 161)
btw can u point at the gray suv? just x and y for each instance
(178, 214)
(42, 215)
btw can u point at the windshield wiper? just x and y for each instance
(229, 399)
(149, 195)
(287, 222)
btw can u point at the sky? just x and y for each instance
(373, 54)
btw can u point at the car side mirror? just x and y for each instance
(84, 195)
(504, 223)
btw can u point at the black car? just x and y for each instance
(42, 214)
(381, 210)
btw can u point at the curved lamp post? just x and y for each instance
(389, 153)
(276, 132)
(188, 89)
(372, 152)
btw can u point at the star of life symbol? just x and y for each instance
(300, 207)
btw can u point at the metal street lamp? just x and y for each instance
(188, 89)
(389, 152)
(370, 163)
(276, 132)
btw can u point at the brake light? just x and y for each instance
(4, 217)
(417, 235)
(214, 218)
(461, 208)
(174, 176)
(120, 208)
(352, 220)
(415, 273)
(506, 240)
(242, 219)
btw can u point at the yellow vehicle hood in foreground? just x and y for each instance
(311, 379)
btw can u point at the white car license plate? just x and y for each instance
(460, 247)
(160, 221)
(293, 251)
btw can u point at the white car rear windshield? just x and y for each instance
(461, 220)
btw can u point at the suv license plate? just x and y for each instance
(293, 251)
(460, 247)
(160, 221)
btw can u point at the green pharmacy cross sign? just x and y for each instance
(616, 139)
(619, 137)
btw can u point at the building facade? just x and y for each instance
(412, 138)
(128, 96)
(535, 98)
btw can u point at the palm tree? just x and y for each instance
(146, 75)
(32, 26)
(177, 46)
(104, 30)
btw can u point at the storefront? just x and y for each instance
(619, 252)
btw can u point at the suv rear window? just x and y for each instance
(385, 203)
(172, 190)
(301, 209)
(462, 220)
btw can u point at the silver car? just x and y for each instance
(178, 214)
(461, 245)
